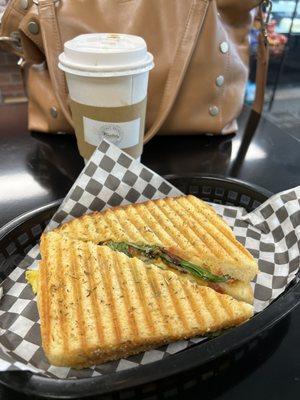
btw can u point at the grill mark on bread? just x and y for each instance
(101, 295)
(217, 222)
(177, 238)
(201, 306)
(215, 305)
(124, 289)
(90, 321)
(125, 329)
(184, 232)
(78, 227)
(114, 232)
(111, 219)
(91, 228)
(93, 286)
(151, 303)
(111, 228)
(119, 282)
(140, 223)
(131, 231)
(226, 307)
(208, 212)
(77, 296)
(211, 232)
(160, 304)
(211, 310)
(136, 222)
(142, 299)
(154, 225)
(101, 226)
(135, 302)
(205, 236)
(110, 298)
(61, 289)
(193, 305)
(173, 291)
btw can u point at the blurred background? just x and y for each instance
(282, 102)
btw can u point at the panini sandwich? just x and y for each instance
(107, 304)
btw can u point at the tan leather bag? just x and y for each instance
(201, 51)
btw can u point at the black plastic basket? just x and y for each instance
(181, 370)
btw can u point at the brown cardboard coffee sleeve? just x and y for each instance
(113, 116)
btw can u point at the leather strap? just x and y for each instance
(261, 67)
(196, 17)
(50, 32)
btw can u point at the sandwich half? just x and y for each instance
(97, 304)
(184, 227)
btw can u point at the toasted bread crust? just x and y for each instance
(106, 305)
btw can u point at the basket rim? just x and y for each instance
(195, 356)
(17, 221)
(220, 178)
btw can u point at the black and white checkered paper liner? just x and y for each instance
(271, 233)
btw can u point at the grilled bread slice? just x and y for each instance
(97, 304)
(237, 289)
(185, 225)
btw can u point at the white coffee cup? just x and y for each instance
(107, 77)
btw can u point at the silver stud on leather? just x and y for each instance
(224, 47)
(24, 4)
(33, 27)
(214, 111)
(220, 80)
(53, 112)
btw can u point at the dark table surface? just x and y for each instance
(36, 169)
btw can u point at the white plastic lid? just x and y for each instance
(105, 54)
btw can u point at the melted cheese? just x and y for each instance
(32, 279)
